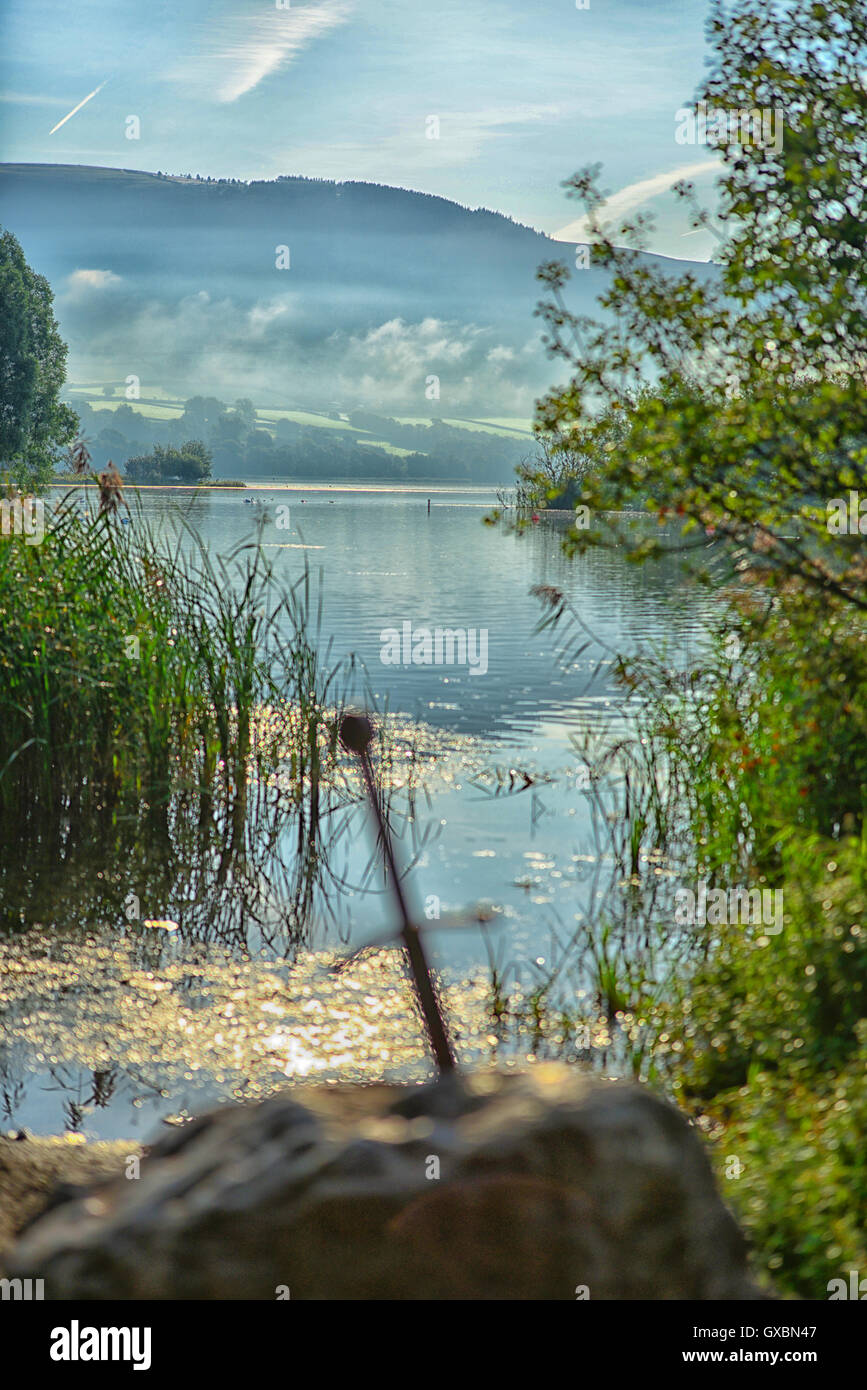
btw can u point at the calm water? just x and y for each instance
(147, 1031)
(384, 560)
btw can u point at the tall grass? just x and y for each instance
(154, 702)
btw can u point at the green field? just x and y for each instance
(389, 448)
(508, 427)
(306, 417)
(163, 406)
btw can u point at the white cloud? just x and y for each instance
(216, 347)
(262, 316)
(628, 199)
(241, 51)
(495, 117)
(408, 156)
(82, 282)
(24, 99)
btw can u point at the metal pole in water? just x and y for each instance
(356, 732)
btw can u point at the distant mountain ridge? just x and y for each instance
(386, 296)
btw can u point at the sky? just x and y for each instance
(492, 103)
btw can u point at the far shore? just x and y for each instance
(299, 484)
(149, 487)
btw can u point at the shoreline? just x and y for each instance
(290, 484)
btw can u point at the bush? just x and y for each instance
(798, 1183)
(765, 1038)
(191, 463)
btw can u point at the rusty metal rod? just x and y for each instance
(356, 733)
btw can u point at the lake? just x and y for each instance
(111, 1029)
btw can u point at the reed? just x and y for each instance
(154, 702)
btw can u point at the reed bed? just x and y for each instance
(155, 701)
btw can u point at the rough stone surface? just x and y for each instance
(548, 1181)
(36, 1171)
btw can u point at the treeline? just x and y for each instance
(341, 456)
(358, 189)
(191, 463)
(238, 445)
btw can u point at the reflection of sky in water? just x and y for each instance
(475, 836)
(385, 560)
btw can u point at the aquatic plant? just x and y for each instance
(156, 704)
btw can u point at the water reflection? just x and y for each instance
(109, 1025)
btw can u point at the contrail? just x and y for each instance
(78, 107)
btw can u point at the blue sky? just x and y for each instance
(524, 91)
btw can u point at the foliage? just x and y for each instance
(34, 424)
(736, 410)
(156, 708)
(799, 1183)
(553, 475)
(758, 411)
(283, 448)
(767, 1042)
(191, 463)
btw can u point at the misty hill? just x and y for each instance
(175, 281)
(244, 443)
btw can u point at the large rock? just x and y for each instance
(548, 1181)
(37, 1171)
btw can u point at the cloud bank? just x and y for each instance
(276, 352)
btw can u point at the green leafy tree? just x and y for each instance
(195, 461)
(246, 410)
(191, 463)
(735, 407)
(201, 416)
(34, 424)
(758, 412)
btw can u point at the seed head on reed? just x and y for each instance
(110, 490)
